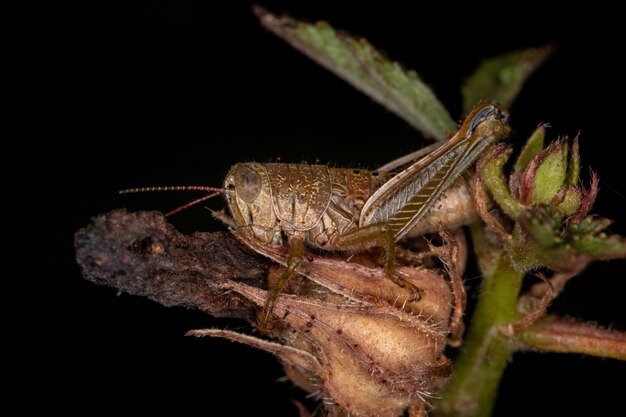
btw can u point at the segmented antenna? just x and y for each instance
(215, 191)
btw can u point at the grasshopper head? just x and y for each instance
(487, 120)
(248, 193)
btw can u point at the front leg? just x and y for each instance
(296, 249)
(375, 235)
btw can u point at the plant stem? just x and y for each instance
(554, 334)
(486, 352)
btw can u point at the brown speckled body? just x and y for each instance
(317, 200)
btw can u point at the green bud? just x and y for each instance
(571, 201)
(551, 173)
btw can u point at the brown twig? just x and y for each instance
(142, 254)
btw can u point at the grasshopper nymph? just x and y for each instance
(344, 209)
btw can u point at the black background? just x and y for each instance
(159, 93)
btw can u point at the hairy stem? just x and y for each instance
(555, 334)
(486, 352)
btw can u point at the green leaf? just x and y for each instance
(362, 66)
(500, 79)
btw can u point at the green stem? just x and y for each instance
(486, 351)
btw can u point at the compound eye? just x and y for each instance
(247, 184)
(484, 114)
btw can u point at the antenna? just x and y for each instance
(214, 191)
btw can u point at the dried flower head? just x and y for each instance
(352, 337)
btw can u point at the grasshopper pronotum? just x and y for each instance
(346, 209)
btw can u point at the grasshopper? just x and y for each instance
(344, 209)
